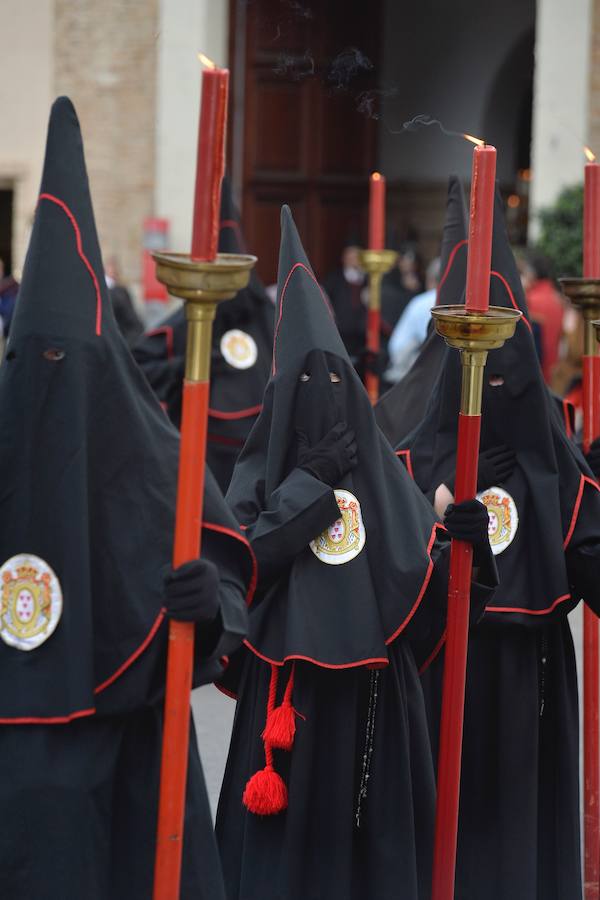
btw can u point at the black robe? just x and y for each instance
(89, 516)
(350, 635)
(236, 389)
(519, 814)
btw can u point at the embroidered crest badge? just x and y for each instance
(504, 518)
(30, 603)
(239, 349)
(343, 540)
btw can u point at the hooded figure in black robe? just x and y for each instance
(352, 581)
(519, 812)
(88, 510)
(403, 407)
(241, 357)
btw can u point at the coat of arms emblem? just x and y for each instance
(346, 537)
(503, 518)
(30, 601)
(239, 349)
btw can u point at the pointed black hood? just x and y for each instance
(548, 481)
(344, 614)
(236, 390)
(89, 502)
(403, 407)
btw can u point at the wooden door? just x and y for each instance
(299, 132)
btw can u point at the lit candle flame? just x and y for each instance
(590, 155)
(376, 176)
(474, 140)
(206, 61)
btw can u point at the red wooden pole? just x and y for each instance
(188, 525)
(453, 692)
(591, 660)
(373, 344)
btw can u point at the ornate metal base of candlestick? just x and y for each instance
(202, 285)
(474, 333)
(377, 261)
(585, 294)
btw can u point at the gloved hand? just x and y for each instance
(332, 457)
(468, 521)
(495, 466)
(192, 592)
(593, 457)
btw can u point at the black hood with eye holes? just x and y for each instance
(235, 393)
(91, 465)
(549, 478)
(344, 614)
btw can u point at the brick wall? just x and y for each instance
(105, 60)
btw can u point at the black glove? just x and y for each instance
(468, 521)
(332, 457)
(593, 457)
(192, 592)
(495, 466)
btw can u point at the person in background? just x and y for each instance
(400, 285)
(9, 288)
(545, 306)
(130, 324)
(411, 330)
(345, 286)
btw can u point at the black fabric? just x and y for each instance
(93, 463)
(494, 467)
(235, 394)
(402, 408)
(79, 812)
(547, 480)
(519, 834)
(593, 457)
(126, 317)
(519, 803)
(300, 613)
(349, 310)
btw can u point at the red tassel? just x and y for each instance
(281, 727)
(266, 793)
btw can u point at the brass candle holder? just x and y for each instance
(584, 293)
(474, 334)
(375, 263)
(202, 284)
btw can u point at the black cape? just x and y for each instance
(519, 821)
(89, 512)
(235, 392)
(323, 627)
(402, 408)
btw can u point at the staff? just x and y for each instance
(473, 329)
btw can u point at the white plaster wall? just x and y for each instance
(561, 92)
(186, 27)
(26, 92)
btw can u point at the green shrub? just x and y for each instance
(561, 232)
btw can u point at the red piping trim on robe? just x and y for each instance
(167, 330)
(227, 441)
(512, 298)
(136, 653)
(82, 255)
(236, 414)
(51, 720)
(567, 406)
(226, 691)
(297, 265)
(380, 660)
(433, 653)
(453, 253)
(407, 461)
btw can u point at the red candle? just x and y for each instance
(376, 212)
(481, 221)
(210, 165)
(591, 221)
